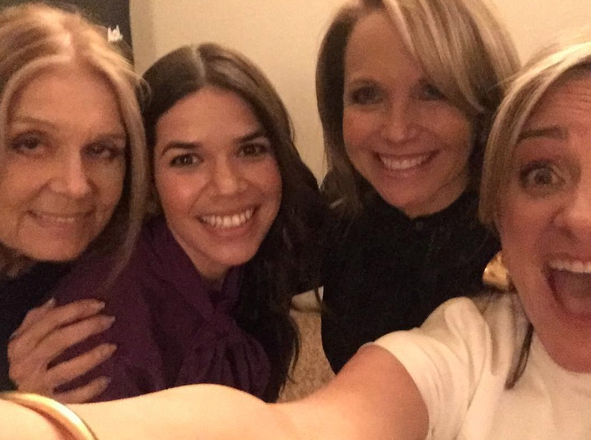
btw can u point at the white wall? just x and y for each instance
(282, 37)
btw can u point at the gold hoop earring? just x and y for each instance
(496, 274)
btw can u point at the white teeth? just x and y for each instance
(575, 266)
(59, 219)
(403, 164)
(228, 221)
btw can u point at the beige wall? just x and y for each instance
(282, 37)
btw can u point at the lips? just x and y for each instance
(570, 281)
(228, 221)
(404, 163)
(59, 219)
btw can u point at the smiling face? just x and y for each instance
(545, 221)
(63, 165)
(217, 179)
(400, 132)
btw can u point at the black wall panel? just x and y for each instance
(110, 13)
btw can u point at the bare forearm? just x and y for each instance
(20, 423)
(203, 411)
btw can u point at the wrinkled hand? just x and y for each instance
(44, 334)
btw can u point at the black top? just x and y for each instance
(387, 272)
(17, 297)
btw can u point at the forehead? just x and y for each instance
(210, 112)
(65, 83)
(376, 42)
(566, 103)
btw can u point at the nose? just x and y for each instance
(227, 178)
(575, 216)
(71, 177)
(400, 123)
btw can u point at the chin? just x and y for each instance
(236, 258)
(58, 255)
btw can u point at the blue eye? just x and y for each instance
(365, 95)
(540, 176)
(253, 150)
(184, 160)
(431, 93)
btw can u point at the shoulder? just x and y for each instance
(467, 321)
(467, 346)
(102, 276)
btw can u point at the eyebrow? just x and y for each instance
(191, 146)
(179, 145)
(115, 135)
(552, 132)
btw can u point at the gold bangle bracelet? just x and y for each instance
(53, 410)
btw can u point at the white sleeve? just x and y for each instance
(445, 357)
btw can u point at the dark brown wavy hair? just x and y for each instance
(288, 258)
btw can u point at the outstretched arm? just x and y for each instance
(373, 397)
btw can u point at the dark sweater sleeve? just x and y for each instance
(135, 367)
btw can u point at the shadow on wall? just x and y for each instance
(142, 32)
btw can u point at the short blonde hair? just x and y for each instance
(547, 68)
(35, 37)
(463, 49)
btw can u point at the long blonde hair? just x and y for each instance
(548, 68)
(463, 49)
(34, 37)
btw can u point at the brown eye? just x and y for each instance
(253, 150)
(185, 160)
(27, 144)
(106, 151)
(540, 176)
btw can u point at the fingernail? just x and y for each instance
(109, 320)
(98, 305)
(109, 349)
(104, 381)
(49, 303)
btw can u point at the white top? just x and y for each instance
(460, 360)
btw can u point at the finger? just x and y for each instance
(53, 319)
(63, 338)
(32, 316)
(84, 393)
(66, 371)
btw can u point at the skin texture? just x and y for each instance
(62, 168)
(61, 177)
(373, 397)
(545, 222)
(213, 164)
(400, 132)
(44, 334)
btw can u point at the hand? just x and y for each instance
(44, 334)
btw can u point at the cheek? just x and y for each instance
(268, 179)
(357, 127)
(177, 193)
(462, 139)
(452, 127)
(19, 186)
(522, 228)
(110, 180)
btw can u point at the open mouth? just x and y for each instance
(405, 163)
(570, 282)
(53, 219)
(228, 221)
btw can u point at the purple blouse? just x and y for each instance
(170, 328)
